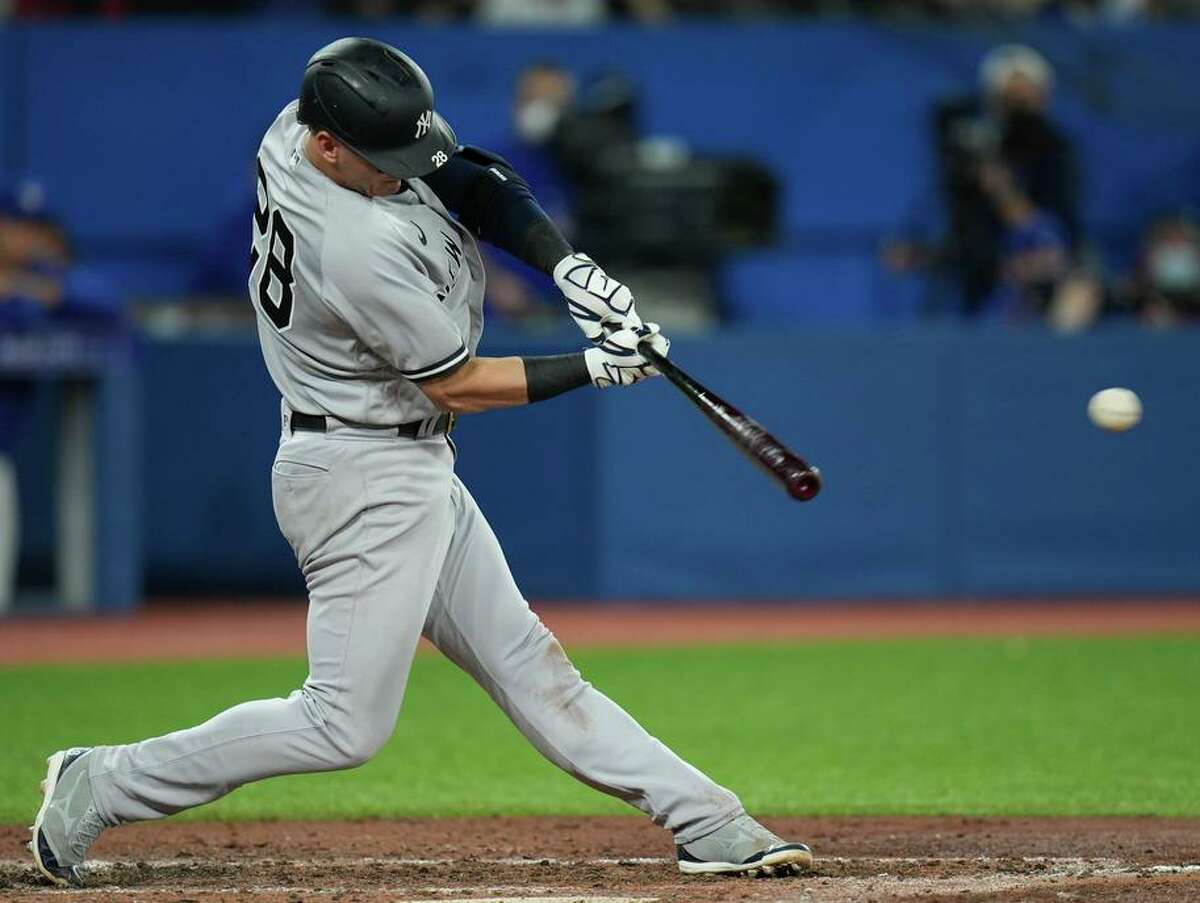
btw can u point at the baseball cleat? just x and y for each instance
(67, 821)
(743, 847)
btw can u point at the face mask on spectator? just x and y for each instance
(537, 120)
(1175, 270)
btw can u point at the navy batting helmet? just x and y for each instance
(378, 101)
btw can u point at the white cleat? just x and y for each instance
(743, 847)
(62, 812)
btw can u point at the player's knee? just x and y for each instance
(352, 745)
(350, 738)
(356, 736)
(359, 750)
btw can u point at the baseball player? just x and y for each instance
(368, 288)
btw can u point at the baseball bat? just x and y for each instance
(801, 480)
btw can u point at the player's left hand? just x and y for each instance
(618, 361)
(598, 304)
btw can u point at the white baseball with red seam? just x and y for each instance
(1115, 409)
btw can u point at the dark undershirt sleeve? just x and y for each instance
(497, 206)
(552, 375)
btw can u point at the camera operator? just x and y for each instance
(1002, 164)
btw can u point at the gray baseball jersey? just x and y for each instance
(358, 299)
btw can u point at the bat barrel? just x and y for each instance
(804, 484)
(800, 479)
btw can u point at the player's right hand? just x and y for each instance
(598, 304)
(617, 360)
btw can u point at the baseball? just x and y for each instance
(1115, 409)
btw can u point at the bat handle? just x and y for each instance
(649, 352)
(660, 361)
(664, 366)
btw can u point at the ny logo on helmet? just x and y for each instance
(424, 121)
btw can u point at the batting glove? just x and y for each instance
(617, 360)
(598, 304)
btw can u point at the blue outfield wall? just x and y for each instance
(957, 463)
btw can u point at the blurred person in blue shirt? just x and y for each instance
(1033, 262)
(1037, 279)
(39, 280)
(543, 100)
(40, 287)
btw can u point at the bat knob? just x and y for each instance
(803, 485)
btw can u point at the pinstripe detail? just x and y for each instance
(439, 368)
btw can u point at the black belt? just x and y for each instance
(418, 429)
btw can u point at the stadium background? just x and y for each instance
(957, 455)
(962, 476)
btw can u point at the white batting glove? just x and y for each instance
(598, 304)
(617, 360)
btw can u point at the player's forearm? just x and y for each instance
(482, 384)
(487, 383)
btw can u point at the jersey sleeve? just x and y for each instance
(380, 290)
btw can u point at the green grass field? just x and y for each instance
(987, 726)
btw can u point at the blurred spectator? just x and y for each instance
(32, 254)
(432, 10)
(1132, 10)
(1003, 166)
(39, 279)
(39, 285)
(113, 9)
(1036, 279)
(1165, 290)
(569, 12)
(1076, 10)
(543, 100)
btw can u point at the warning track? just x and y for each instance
(227, 629)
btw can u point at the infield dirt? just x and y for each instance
(625, 858)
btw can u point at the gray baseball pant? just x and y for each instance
(392, 545)
(10, 532)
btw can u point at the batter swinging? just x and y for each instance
(369, 299)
